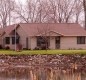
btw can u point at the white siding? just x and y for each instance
(52, 42)
(23, 36)
(0, 41)
(71, 43)
(33, 41)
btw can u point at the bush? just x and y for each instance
(7, 47)
(1, 47)
(29, 49)
(43, 47)
(25, 49)
(36, 48)
(19, 47)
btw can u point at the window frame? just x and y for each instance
(13, 40)
(7, 41)
(80, 39)
(41, 41)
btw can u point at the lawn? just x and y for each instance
(29, 52)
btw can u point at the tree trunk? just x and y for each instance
(84, 5)
(85, 19)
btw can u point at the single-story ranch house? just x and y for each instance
(32, 35)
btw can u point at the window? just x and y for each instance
(13, 40)
(81, 40)
(17, 40)
(57, 42)
(43, 42)
(40, 41)
(7, 40)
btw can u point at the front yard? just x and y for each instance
(29, 52)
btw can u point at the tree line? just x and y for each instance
(43, 11)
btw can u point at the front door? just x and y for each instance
(57, 42)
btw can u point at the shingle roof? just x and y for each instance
(64, 29)
(1, 31)
(9, 28)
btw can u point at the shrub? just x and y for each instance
(43, 47)
(1, 47)
(19, 47)
(36, 48)
(25, 49)
(7, 47)
(29, 49)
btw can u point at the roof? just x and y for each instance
(63, 29)
(1, 31)
(9, 28)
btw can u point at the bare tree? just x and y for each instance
(44, 35)
(6, 6)
(59, 11)
(64, 11)
(28, 13)
(49, 11)
(78, 10)
(84, 6)
(34, 11)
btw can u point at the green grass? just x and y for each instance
(29, 52)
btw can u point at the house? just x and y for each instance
(32, 35)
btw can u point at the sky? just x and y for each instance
(22, 1)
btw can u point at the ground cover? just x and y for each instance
(29, 52)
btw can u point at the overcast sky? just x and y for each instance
(22, 1)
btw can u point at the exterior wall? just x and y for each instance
(71, 43)
(52, 43)
(33, 42)
(5, 45)
(0, 40)
(23, 35)
(10, 45)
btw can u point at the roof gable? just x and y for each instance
(9, 29)
(49, 33)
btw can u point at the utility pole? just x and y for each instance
(15, 33)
